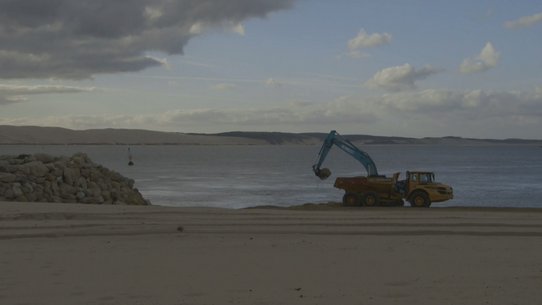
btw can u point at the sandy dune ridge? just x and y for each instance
(90, 254)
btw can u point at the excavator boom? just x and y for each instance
(334, 138)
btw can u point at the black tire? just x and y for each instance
(370, 200)
(420, 200)
(351, 200)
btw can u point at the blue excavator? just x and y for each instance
(334, 138)
(418, 188)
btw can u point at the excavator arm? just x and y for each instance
(334, 138)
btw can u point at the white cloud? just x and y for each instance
(487, 59)
(224, 86)
(39, 89)
(16, 93)
(273, 83)
(400, 77)
(364, 41)
(465, 105)
(471, 113)
(199, 28)
(5, 100)
(153, 13)
(163, 61)
(239, 29)
(523, 22)
(259, 118)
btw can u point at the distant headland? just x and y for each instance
(34, 135)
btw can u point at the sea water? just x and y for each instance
(244, 176)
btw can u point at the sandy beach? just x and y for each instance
(92, 254)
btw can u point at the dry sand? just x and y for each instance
(89, 254)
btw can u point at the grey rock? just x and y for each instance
(27, 188)
(44, 158)
(7, 177)
(70, 175)
(80, 195)
(66, 189)
(8, 194)
(36, 168)
(16, 189)
(44, 178)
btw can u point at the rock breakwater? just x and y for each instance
(43, 178)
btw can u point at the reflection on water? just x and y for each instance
(241, 176)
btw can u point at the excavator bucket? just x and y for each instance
(323, 173)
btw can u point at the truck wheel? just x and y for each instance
(420, 200)
(370, 200)
(350, 200)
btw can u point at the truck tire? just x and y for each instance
(370, 200)
(351, 199)
(420, 200)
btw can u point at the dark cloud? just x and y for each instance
(79, 38)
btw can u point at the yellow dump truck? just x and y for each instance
(418, 188)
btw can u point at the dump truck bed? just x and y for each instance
(383, 187)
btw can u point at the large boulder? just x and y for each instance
(45, 178)
(6, 177)
(35, 168)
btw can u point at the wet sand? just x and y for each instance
(91, 254)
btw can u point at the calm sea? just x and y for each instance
(243, 176)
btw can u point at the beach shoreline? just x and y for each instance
(98, 254)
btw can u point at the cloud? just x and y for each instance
(258, 118)
(400, 78)
(365, 41)
(466, 105)
(273, 83)
(39, 89)
(199, 28)
(487, 59)
(239, 29)
(76, 39)
(469, 113)
(16, 93)
(431, 112)
(5, 100)
(224, 86)
(523, 22)
(162, 61)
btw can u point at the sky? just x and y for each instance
(417, 68)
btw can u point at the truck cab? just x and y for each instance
(420, 189)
